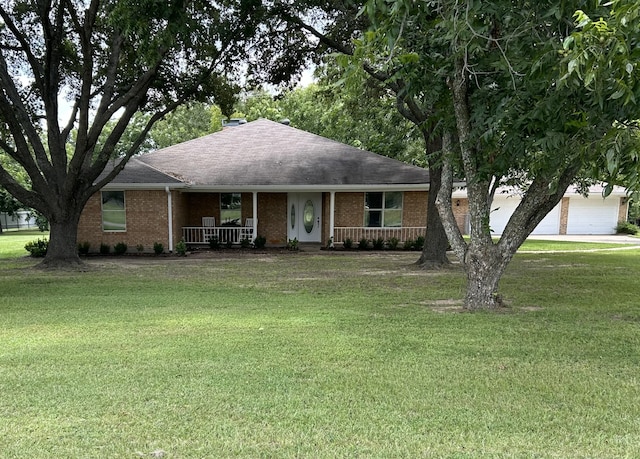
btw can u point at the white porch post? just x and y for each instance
(332, 212)
(255, 215)
(170, 218)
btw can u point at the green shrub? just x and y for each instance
(140, 248)
(363, 244)
(120, 248)
(392, 243)
(214, 243)
(228, 244)
(83, 248)
(245, 243)
(408, 244)
(181, 248)
(158, 248)
(627, 228)
(348, 243)
(260, 242)
(292, 244)
(419, 243)
(105, 249)
(37, 248)
(378, 244)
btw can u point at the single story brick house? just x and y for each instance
(271, 180)
(261, 178)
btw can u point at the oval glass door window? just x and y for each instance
(293, 216)
(308, 215)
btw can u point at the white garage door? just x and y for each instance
(592, 215)
(503, 208)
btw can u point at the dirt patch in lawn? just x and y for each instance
(451, 306)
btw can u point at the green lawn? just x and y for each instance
(12, 242)
(325, 355)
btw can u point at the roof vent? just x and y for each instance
(233, 122)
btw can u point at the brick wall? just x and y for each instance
(349, 209)
(247, 207)
(414, 208)
(564, 215)
(200, 205)
(460, 212)
(623, 210)
(146, 221)
(272, 217)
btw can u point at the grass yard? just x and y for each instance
(12, 242)
(324, 355)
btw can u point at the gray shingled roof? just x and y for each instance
(266, 153)
(137, 172)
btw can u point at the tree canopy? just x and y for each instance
(499, 86)
(361, 114)
(107, 60)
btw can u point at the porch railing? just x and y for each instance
(224, 234)
(356, 233)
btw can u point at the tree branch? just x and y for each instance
(17, 118)
(443, 200)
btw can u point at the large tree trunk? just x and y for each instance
(434, 253)
(63, 243)
(484, 266)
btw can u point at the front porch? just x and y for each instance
(235, 235)
(225, 235)
(356, 234)
(326, 218)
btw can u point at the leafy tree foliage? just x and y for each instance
(362, 116)
(494, 75)
(186, 122)
(602, 57)
(361, 113)
(8, 204)
(108, 59)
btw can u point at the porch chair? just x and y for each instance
(247, 229)
(208, 228)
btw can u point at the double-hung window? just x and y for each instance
(114, 215)
(383, 209)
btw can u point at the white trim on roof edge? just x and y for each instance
(143, 186)
(312, 188)
(267, 188)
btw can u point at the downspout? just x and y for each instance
(170, 217)
(332, 217)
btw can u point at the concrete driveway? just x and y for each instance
(605, 238)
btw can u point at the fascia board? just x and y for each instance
(143, 186)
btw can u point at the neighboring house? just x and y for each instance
(20, 219)
(267, 179)
(264, 179)
(574, 214)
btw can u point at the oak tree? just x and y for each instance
(88, 67)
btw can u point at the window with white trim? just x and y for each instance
(383, 209)
(114, 214)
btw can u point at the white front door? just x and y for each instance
(304, 217)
